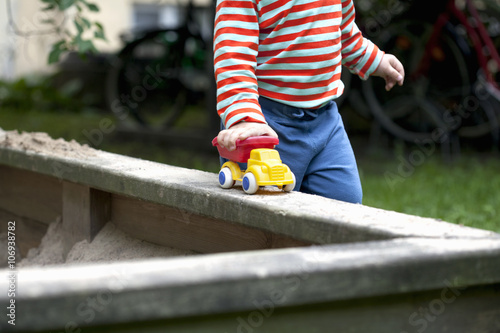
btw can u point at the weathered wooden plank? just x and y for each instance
(177, 228)
(29, 233)
(328, 221)
(474, 309)
(85, 212)
(334, 286)
(29, 194)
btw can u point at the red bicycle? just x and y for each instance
(452, 74)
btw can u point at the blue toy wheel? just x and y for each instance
(226, 178)
(249, 183)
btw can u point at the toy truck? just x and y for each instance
(264, 166)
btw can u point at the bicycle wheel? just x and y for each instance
(154, 79)
(489, 16)
(481, 115)
(414, 111)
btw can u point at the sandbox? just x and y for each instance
(147, 247)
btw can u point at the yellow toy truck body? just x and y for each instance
(264, 168)
(264, 165)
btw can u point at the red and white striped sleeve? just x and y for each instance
(236, 40)
(359, 54)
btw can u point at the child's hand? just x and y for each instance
(227, 138)
(391, 69)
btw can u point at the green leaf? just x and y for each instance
(84, 45)
(78, 26)
(74, 41)
(65, 4)
(49, 7)
(57, 50)
(86, 22)
(99, 33)
(51, 3)
(92, 7)
(67, 33)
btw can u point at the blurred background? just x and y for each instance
(429, 148)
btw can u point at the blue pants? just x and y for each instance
(314, 144)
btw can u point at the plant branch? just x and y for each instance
(16, 30)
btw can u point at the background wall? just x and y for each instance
(26, 53)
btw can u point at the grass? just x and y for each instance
(464, 192)
(71, 126)
(59, 125)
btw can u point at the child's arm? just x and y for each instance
(359, 55)
(236, 39)
(363, 57)
(391, 70)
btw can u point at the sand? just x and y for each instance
(39, 142)
(109, 245)
(113, 244)
(50, 251)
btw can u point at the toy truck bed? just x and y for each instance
(243, 147)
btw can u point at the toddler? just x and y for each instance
(278, 65)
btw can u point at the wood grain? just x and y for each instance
(85, 212)
(31, 195)
(173, 227)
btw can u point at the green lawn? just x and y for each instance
(59, 125)
(80, 127)
(465, 192)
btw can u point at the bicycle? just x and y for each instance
(159, 74)
(442, 91)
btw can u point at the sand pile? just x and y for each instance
(109, 245)
(39, 142)
(50, 251)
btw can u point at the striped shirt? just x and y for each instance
(290, 51)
